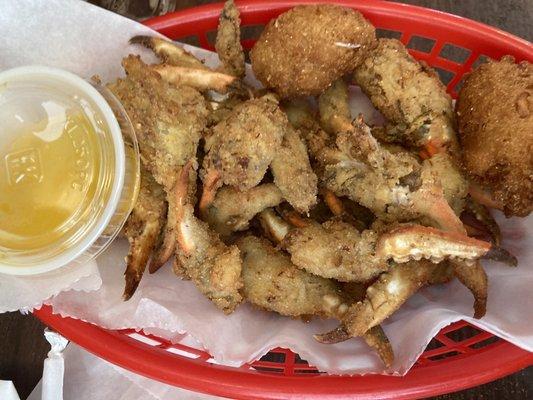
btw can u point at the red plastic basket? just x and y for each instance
(459, 357)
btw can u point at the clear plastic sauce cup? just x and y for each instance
(69, 169)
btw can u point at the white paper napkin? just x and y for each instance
(88, 377)
(8, 391)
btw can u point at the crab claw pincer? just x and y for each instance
(414, 242)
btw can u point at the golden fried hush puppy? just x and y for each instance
(495, 121)
(308, 47)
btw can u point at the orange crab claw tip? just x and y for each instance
(423, 154)
(337, 335)
(431, 148)
(498, 253)
(333, 202)
(296, 220)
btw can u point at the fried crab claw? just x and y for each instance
(334, 106)
(242, 146)
(181, 68)
(410, 95)
(232, 210)
(418, 110)
(168, 51)
(169, 122)
(477, 207)
(393, 184)
(412, 242)
(228, 43)
(142, 230)
(198, 78)
(389, 181)
(253, 137)
(273, 283)
(419, 113)
(164, 248)
(213, 267)
(337, 250)
(382, 298)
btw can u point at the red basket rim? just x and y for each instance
(498, 360)
(191, 16)
(197, 375)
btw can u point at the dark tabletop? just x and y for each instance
(22, 344)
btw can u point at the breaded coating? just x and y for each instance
(392, 183)
(220, 110)
(308, 47)
(142, 229)
(273, 283)
(409, 94)
(383, 298)
(495, 119)
(201, 256)
(293, 174)
(396, 187)
(333, 105)
(168, 121)
(335, 250)
(302, 118)
(213, 267)
(243, 145)
(381, 189)
(232, 210)
(228, 42)
(453, 182)
(389, 182)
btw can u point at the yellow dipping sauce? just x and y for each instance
(69, 169)
(49, 178)
(57, 171)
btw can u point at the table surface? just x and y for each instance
(23, 346)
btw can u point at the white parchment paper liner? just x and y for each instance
(87, 40)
